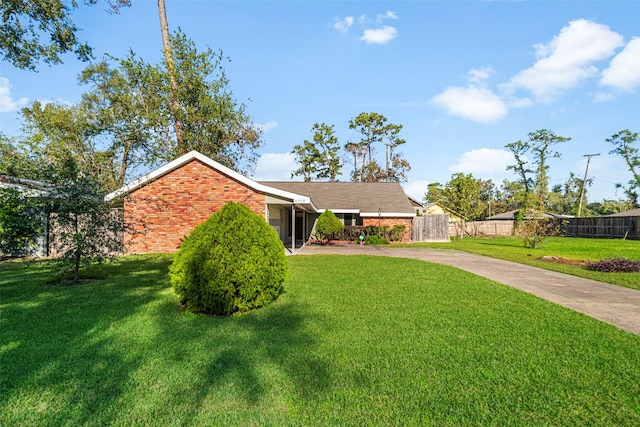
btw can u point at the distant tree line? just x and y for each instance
(477, 199)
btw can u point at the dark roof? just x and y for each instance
(367, 197)
(632, 212)
(511, 215)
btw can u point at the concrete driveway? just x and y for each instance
(613, 304)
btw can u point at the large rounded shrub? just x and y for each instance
(328, 224)
(233, 262)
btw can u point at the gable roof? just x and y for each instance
(297, 199)
(632, 212)
(366, 198)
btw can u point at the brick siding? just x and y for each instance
(390, 222)
(161, 213)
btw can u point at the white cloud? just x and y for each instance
(379, 35)
(473, 103)
(275, 167)
(567, 60)
(624, 71)
(484, 162)
(343, 24)
(389, 14)
(416, 189)
(479, 76)
(7, 103)
(266, 127)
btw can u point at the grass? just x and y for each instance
(579, 249)
(352, 341)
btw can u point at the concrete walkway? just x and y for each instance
(616, 305)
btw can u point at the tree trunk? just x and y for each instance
(175, 103)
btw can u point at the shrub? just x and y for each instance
(375, 240)
(535, 231)
(328, 224)
(613, 265)
(233, 262)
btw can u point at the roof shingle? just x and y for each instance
(367, 197)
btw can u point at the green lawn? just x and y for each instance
(353, 341)
(512, 249)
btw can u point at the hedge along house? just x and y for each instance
(164, 206)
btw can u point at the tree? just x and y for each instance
(396, 166)
(319, 159)
(519, 149)
(541, 142)
(463, 194)
(17, 162)
(173, 79)
(26, 23)
(215, 124)
(540, 145)
(626, 145)
(328, 164)
(124, 113)
(56, 132)
(306, 156)
(87, 229)
(374, 129)
(565, 198)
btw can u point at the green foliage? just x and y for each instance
(463, 194)
(21, 221)
(86, 228)
(27, 23)
(373, 239)
(534, 230)
(349, 334)
(374, 130)
(17, 162)
(328, 224)
(319, 159)
(233, 262)
(627, 146)
(539, 146)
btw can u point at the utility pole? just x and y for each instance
(584, 181)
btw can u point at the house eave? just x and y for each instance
(388, 214)
(296, 199)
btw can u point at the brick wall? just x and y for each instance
(390, 222)
(161, 213)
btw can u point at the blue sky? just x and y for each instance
(464, 78)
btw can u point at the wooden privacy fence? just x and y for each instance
(620, 227)
(430, 228)
(489, 228)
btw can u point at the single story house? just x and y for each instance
(164, 206)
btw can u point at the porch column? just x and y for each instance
(293, 229)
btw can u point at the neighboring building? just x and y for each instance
(164, 206)
(631, 213)
(510, 215)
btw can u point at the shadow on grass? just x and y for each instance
(120, 350)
